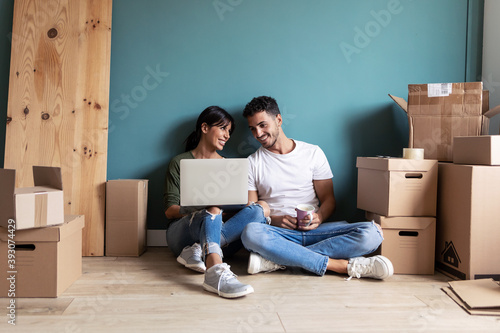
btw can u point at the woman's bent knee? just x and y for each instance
(214, 210)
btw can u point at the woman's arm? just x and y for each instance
(173, 212)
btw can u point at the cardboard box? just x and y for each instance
(126, 210)
(32, 207)
(468, 228)
(483, 149)
(397, 186)
(409, 242)
(46, 260)
(439, 112)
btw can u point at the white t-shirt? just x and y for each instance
(286, 180)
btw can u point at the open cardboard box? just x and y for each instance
(439, 112)
(32, 207)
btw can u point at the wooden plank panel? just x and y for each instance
(92, 125)
(58, 102)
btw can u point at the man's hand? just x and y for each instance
(284, 221)
(290, 222)
(308, 224)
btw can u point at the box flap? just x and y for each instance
(486, 101)
(7, 190)
(48, 176)
(400, 101)
(493, 112)
(72, 223)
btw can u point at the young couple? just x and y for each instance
(282, 173)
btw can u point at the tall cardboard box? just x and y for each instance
(47, 260)
(32, 207)
(468, 221)
(409, 242)
(397, 186)
(484, 149)
(126, 212)
(439, 112)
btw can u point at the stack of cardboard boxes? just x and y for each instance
(450, 122)
(400, 195)
(40, 248)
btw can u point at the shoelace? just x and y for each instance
(225, 275)
(357, 269)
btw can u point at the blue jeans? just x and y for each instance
(310, 250)
(209, 230)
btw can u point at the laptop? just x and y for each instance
(214, 182)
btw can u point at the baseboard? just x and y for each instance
(156, 237)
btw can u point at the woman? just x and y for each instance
(206, 227)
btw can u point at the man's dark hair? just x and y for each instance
(259, 104)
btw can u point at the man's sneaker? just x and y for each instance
(257, 264)
(191, 258)
(377, 267)
(220, 280)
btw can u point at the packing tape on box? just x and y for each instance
(413, 153)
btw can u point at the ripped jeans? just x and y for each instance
(210, 231)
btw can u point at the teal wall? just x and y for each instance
(330, 65)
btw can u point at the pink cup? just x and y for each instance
(304, 210)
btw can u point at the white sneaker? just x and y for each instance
(220, 280)
(377, 267)
(257, 264)
(190, 257)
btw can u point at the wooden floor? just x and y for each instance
(153, 293)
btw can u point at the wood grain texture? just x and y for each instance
(58, 102)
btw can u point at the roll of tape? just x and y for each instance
(413, 153)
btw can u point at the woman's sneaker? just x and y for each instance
(257, 264)
(220, 280)
(190, 257)
(377, 267)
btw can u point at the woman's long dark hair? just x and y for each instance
(212, 116)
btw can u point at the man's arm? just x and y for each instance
(173, 212)
(324, 192)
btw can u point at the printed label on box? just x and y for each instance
(438, 89)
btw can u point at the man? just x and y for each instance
(284, 173)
